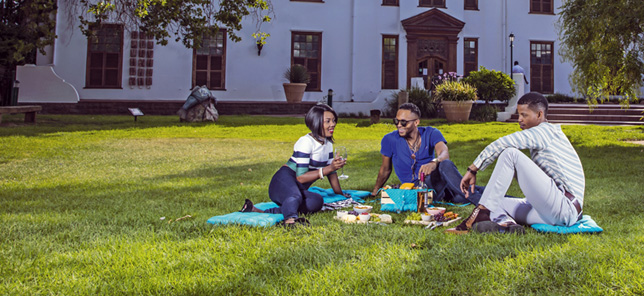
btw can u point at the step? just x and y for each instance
(598, 106)
(603, 111)
(589, 117)
(596, 122)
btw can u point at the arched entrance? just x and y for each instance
(432, 37)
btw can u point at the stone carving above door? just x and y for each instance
(429, 47)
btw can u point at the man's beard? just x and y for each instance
(408, 133)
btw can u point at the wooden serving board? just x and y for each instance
(427, 223)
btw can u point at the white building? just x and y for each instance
(362, 49)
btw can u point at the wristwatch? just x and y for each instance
(435, 160)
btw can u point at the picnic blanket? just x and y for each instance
(266, 219)
(585, 225)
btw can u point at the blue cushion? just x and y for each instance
(585, 225)
(266, 219)
(251, 219)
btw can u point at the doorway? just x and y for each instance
(432, 37)
(428, 68)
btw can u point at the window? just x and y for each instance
(389, 62)
(209, 62)
(541, 67)
(541, 6)
(431, 3)
(306, 50)
(390, 2)
(471, 5)
(104, 57)
(471, 58)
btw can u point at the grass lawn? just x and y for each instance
(81, 199)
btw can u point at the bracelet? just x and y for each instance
(321, 174)
(471, 171)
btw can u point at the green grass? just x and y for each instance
(81, 199)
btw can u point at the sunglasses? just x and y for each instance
(402, 122)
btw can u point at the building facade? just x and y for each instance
(364, 50)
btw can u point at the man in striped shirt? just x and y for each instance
(552, 181)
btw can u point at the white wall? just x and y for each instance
(351, 51)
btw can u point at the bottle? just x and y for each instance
(422, 195)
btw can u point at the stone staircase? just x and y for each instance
(602, 114)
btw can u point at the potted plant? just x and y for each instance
(456, 98)
(298, 77)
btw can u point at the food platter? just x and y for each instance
(364, 218)
(431, 223)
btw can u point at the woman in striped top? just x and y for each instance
(312, 160)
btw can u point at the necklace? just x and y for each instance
(413, 148)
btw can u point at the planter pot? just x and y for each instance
(375, 116)
(457, 111)
(294, 92)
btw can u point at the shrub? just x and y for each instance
(560, 98)
(455, 91)
(442, 78)
(483, 113)
(297, 74)
(419, 97)
(491, 85)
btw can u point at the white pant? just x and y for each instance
(544, 202)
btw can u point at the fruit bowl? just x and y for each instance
(362, 209)
(364, 217)
(435, 210)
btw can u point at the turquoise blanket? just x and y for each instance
(266, 219)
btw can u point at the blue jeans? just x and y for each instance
(292, 196)
(446, 181)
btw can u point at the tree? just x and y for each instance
(187, 21)
(29, 25)
(604, 41)
(25, 26)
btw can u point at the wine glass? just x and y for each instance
(341, 151)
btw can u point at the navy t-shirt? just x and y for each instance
(395, 147)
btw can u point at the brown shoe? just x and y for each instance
(478, 215)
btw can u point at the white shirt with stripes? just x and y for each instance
(309, 154)
(550, 149)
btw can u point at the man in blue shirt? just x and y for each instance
(413, 150)
(519, 69)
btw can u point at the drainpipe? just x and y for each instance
(352, 38)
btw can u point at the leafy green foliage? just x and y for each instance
(491, 84)
(560, 98)
(419, 97)
(188, 21)
(297, 74)
(483, 113)
(25, 26)
(82, 196)
(455, 91)
(607, 52)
